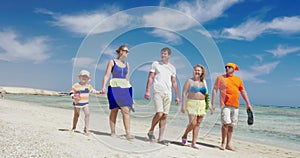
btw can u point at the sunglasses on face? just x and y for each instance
(124, 50)
(229, 67)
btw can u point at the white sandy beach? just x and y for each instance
(32, 130)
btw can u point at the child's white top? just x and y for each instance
(84, 93)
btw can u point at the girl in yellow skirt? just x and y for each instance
(194, 99)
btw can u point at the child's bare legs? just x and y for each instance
(112, 121)
(126, 121)
(75, 118)
(86, 111)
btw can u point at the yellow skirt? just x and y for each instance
(195, 107)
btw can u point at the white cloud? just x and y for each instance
(265, 69)
(12, 48)
(246, 31)
(182, 77)
(259, 57)
(286, 24)
(44, 11)
(250, 76)
(110, 52)
(283, 50)
(166, 20)
(103, 65)
(85, 23)
(168, 36)
(204, 10)
(245, 75)
(145, 68)
(84, 62)
(178, 62)
(214, 75)
(297, 79)
(251, 29)
(201, 10)
(204, 33)
(257, 71)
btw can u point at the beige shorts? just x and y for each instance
(162, 102)
(229, 115)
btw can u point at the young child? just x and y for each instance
(80, 93)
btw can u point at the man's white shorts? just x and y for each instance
(229, 115)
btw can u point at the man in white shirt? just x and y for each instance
(164, 75)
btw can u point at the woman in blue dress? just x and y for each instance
(119, 91)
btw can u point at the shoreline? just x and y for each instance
(45, 92)
(24, 136)
(30, 91)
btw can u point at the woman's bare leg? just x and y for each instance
(112, 121)
(126, 121)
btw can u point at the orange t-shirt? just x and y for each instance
(229, 87)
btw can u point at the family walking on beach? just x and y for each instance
(162, 75)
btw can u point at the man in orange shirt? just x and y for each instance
(229, 87)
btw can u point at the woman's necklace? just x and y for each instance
(196, 81)
(123, 62)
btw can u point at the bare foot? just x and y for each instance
(163, 142)
(72, 131)
(113, 135)
(87, 132)
(222, 147)
(196, 146)
(229, 148)
(130, 137)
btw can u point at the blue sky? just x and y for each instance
(43, 44)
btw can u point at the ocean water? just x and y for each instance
(273, 125)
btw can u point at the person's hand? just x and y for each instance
(103, 90)
(183, 108)
(76, 98)
(147, 95)
(177, 100)
(212, 109)
(249, 107)
(97, 92)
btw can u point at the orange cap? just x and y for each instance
(234, 66)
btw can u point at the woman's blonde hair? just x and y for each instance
(203, 75)
(121, 48)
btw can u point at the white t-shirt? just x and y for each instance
(162, 79)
